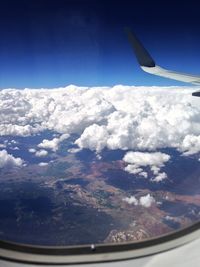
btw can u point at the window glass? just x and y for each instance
(92, 149)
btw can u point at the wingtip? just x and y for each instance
(142, 55)
(196, 94)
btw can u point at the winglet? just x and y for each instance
(148, 64)
(143, 57)
(196, 94)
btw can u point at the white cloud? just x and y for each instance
(138, 160)
(41, 153)
(156, 159)
(13, 142)
(54, 143)
(121, 117)
(43, 164)
(8, 160)
(169, 218)
(131, 200)
(98, 156)
(2, 146)
(73, 150)
(155, 170)
(94, 137)
(160, 177)
(144, 174)
(15, 148)
(32, 150)
(147, 201)
(131, 168)
(190, 145)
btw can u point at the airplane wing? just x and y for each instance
(148, 64)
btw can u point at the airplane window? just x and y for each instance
(94, 152)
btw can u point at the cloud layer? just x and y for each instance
(121, 117)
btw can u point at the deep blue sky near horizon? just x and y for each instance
(45, 43)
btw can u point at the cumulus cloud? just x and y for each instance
(120, 117)
(54, 143)
(2, 146)
(155, 160)
(190, 145)
(41, 153)
(93, 137)
(32, 150)
(74, 150)
(131, 168)
(43, 164)
(131, 200)
(13, 142)
(15, 148)
(160, 177)
(145, 201)
(8, 160)
(169, 218)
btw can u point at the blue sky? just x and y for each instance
(57, 43)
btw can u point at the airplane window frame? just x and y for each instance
(82, 254)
